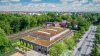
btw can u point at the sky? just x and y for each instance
(50, 5)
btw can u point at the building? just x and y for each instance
(55, 24)
(44, 38)
(63, 24)
(51, 24)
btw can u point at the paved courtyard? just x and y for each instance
(17, 54)
(34, 53)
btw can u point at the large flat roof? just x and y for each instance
(44, 42)
(48, 32)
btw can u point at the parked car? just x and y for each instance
(79, 48)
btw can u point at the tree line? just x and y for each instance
(12, 23)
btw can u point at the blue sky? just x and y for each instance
(50, 5)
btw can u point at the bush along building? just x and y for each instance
(43, 39)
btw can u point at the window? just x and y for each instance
(39, 49)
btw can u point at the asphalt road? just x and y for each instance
(86, 45)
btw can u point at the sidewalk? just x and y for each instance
(34, 53)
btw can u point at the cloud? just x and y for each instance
(36, 0)
(4, 0)
(66, 0)
(15, 0)
(98, 5)
(78, 4)
(74, 5)
(96, 1)
(83, 1)
(9, 0)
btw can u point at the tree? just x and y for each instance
(77, 36)
(33, 22)
(95, 51)
(4, 42)
(15, 24)
(25, 23)
(98, 28)
(57, 49)
(5, 26)
(97, 36)
(69, 43)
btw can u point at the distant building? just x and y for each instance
(55, 24)
(51, 24)
(63, 24)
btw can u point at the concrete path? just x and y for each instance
(34, 53)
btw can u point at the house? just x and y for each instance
(55, 24)
(51, 24)
(63, 24)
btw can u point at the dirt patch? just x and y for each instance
(17, 54)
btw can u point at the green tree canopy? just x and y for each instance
(4, 42)
(57, 49)
(69, 42)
